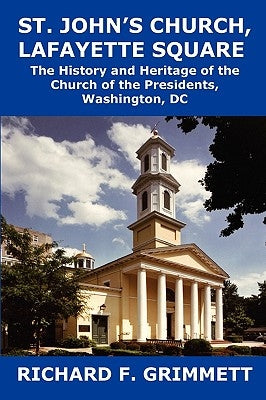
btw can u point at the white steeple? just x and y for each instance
(155, 189)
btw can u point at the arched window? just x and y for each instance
(166, 200)
(164, 162)
(146, 162)
(170, 295)
(144, 199)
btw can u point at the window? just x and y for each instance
(35, 239)
(170, 295)
(106, 283)
(88, 264)
(80, 264)
(146, 162)
(144, 201)
(84, 328)
(164, 162)
(166, 200)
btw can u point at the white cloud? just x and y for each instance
(91, 213)
(120, 242)
(117, 227)
(52, 174)
(248, 284)
(129, 138)
(73, 174)
(191, 195)
(69, 251)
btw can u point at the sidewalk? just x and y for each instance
(245, 343)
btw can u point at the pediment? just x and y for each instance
(190, 256)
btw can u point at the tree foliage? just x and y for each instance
(235, 316)
(37, 289)
(237, 177)
(256, 305)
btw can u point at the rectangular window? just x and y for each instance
(84, 328)
(35, 239)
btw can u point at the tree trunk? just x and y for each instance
(38, 338)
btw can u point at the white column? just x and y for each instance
(161, 307)
(179, 309)
(194, 311)
(142, 305)
(219, 314)
(207, 312)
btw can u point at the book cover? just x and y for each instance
(111, 115)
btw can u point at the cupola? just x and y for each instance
(84, 260)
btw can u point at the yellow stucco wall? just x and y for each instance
(167, 232)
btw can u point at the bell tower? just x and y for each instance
(155, 189)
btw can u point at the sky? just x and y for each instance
(71, 177)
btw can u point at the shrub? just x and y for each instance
(147, 347)
(74, 343)
(101, 351)
(172, 350)
(118, 345)
(133, 346)
(258, 351)
(235, 338)
(223, 351)
(59, 352)
(17, 352)
(241, 350)
(197, 347)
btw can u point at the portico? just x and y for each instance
(192, 317)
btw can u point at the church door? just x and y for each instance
(169, 326)
(100, 329)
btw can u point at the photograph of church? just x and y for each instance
(164, 289)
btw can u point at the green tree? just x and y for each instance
(256, 306)
(235, 317)
(237, 177)
(262, 304)
(231, 298)
(238, 320)
(37, 289)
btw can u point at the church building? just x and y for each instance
(164, 288)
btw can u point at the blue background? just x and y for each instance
(114, 389)
(21, 94)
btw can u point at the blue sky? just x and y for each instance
(71, 177)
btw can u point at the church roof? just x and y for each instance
(152, 255)
(83, 255)
(194, 249)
